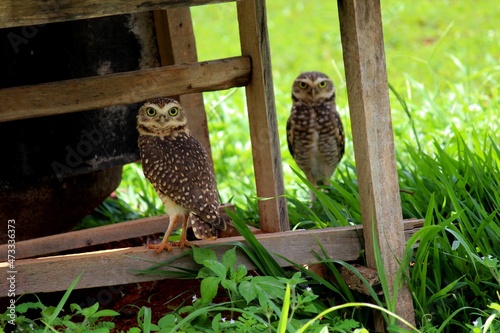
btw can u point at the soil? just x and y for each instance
(161, 297)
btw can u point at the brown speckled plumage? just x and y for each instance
(179, 168)
(315, 134)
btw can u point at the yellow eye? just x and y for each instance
(302, 85)
(322, 84)
(151, 112)
(173, 111)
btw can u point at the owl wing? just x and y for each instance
(289, 134)
(179, 167)
(338, 132)
(332, 131)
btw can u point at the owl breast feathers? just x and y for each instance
(179, 168)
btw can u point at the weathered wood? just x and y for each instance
(122, 88)
(113, 267)
(367, 87)
(101, 235)
(177, 45)
(254, 41)
(36, 12)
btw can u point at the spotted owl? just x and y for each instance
(315, 134)
(180, 170)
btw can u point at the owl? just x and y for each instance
(315, 134)
(179, 169)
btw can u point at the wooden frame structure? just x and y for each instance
(364, 58)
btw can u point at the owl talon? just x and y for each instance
(182, 243)
(160, 247)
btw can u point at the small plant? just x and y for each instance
(51, 318)
(254, 301)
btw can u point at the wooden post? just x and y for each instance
(367, 87)
(266, 152)
(177, 45)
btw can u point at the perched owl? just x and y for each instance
(179, 168)
(314, 130)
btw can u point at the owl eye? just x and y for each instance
(173, 111)
(322, 84)
(302, 85)
(151, 112)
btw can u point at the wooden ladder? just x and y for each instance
(364, 58)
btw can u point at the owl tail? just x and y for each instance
(206, 230)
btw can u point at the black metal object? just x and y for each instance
(51, 153)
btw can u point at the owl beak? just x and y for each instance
(313, 93)
(163, 118)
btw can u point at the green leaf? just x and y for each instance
(229, 285)
(284, 311)
(247, 290)
(201, 254)
(50, 320)
(23, 307)
(167, 321)
(268, 284)
(229, 258)
(241, 272)
(69, 324)
(88, 312)
(208, 289)
(204, 273)
(105, 313)
(218, 268)
(75, 308)
(216, 322)
(324, 329)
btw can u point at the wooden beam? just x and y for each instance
(177, 45)
(367, 88)
(37, 12)
(113, 267)
(122, 88)
(79, 239)
(264, 136)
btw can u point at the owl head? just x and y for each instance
(313, 87)
(161, 116)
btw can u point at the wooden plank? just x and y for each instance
(101, 235)
(367, 87)
(264, 136)
(122, 88)
(177, 45)
(87, 237)
(37, 12)
(113, 267)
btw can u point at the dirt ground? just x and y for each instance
(161, 297)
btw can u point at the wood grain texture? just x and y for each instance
(266, 152)
(122, 88)
(367, 87)
(113, 267)
(177, 45)
(35, 12)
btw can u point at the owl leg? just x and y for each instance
(312, 180)
(164, 245)
(183, 241)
